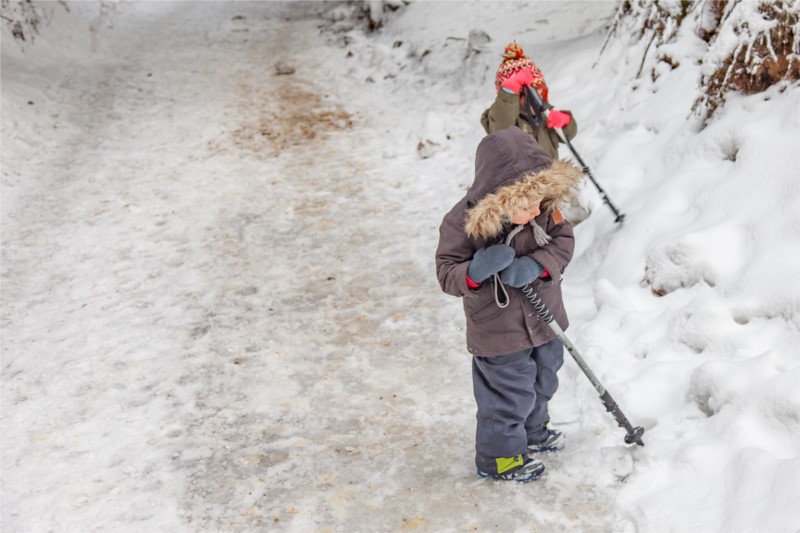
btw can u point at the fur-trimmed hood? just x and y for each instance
(511, 172)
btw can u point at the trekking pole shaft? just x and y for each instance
(540, 107)
(577, 357)
(605, 396)
(634, 434)
(588, 172)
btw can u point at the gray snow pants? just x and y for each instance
(512, 392)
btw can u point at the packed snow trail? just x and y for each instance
(219, 306)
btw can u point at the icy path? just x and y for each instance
(220, 311)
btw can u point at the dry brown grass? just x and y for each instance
(759, 62)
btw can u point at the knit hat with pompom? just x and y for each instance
(514, 59)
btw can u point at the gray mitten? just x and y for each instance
(488, 261)
(521, 271)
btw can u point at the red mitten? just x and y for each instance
(518, 80)
(557, 119)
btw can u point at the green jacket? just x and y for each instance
(505, 112)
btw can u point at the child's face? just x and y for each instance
(525, 216)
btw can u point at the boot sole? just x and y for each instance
(536, 474)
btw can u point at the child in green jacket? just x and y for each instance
(511, 108)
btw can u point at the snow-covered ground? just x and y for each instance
(219, 307)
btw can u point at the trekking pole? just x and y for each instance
(634, 433)
(541, 109)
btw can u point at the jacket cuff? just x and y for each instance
(507, 97)
(460, 277)
(549, 263)
(571, 129)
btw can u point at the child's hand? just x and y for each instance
(488, 261)
(518, 80)
(557, 119)
(521, 271)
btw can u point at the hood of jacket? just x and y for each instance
(511, 172)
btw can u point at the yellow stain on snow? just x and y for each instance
(413, 523)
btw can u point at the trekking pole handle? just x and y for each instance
(536, 99)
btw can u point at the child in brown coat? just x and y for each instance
(504, 234)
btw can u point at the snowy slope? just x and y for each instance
(219, 309)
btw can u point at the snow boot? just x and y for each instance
(552, 443)
(528, 470)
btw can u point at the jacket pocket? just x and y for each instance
(483, 308)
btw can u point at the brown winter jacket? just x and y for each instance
(505, 112)
(511, 170)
